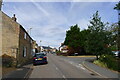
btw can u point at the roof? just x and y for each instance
(45, 47)
(18, 24)
(25, 31)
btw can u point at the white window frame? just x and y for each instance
(24, 51)
(25, 36)
(30, 41)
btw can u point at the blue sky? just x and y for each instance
(50, 20)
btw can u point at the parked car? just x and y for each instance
(40, 58)
(116, 53)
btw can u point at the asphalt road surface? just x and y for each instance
(61, 67)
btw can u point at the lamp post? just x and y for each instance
(40, 46)
(30, 31)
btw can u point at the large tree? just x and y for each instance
(117, 7)
(98, 39)
(73, 39)
(84, 40)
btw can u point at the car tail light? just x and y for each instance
(44, 57)
(34, 58)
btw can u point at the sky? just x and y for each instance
(50, 20)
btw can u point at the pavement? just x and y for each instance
(103, 72)
(86, 61)
(20, 73)
(81, 56)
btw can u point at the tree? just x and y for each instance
(84, 40)
(117, 7)
(73, 39)
(98, 39)
(114, 33)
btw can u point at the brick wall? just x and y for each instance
(24, 42)
(10, 36)
(13, 40)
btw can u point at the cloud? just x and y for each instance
(83, 24)
(49, 21)
(61, 0)
(40, 8)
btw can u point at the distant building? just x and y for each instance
(46, 49)
(54, 49)
(16, 41)
(63, 48)
(35, 47)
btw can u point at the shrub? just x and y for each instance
(110, 61)
(7, 61)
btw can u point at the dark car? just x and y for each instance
(40, 58)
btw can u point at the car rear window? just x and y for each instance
(39, 55)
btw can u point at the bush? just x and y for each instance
(100, 63)
(7, 61)
(110, 61)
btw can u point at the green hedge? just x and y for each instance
(109, 61)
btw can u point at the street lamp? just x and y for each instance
(30, 31)
(40, 45)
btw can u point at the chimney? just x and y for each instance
(14, 18)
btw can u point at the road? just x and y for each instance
(61, 67)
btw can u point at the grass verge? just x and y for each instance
(108, 61)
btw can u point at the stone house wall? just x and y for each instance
(10, 36)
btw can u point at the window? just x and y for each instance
(31, 41)
(25, 36)
(24, 51)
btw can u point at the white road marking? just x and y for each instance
(76, 65)
(83, 68)
(56, 68)
(71, 62)
(59, 71)
(64, 76)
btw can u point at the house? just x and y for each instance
(35, 47)
(16, 42)
(45, 49)
(63, 48)
(54, 50)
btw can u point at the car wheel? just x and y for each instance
(46, 63)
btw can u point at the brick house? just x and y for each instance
(16, 41)
(35, 47)
(63, 48)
